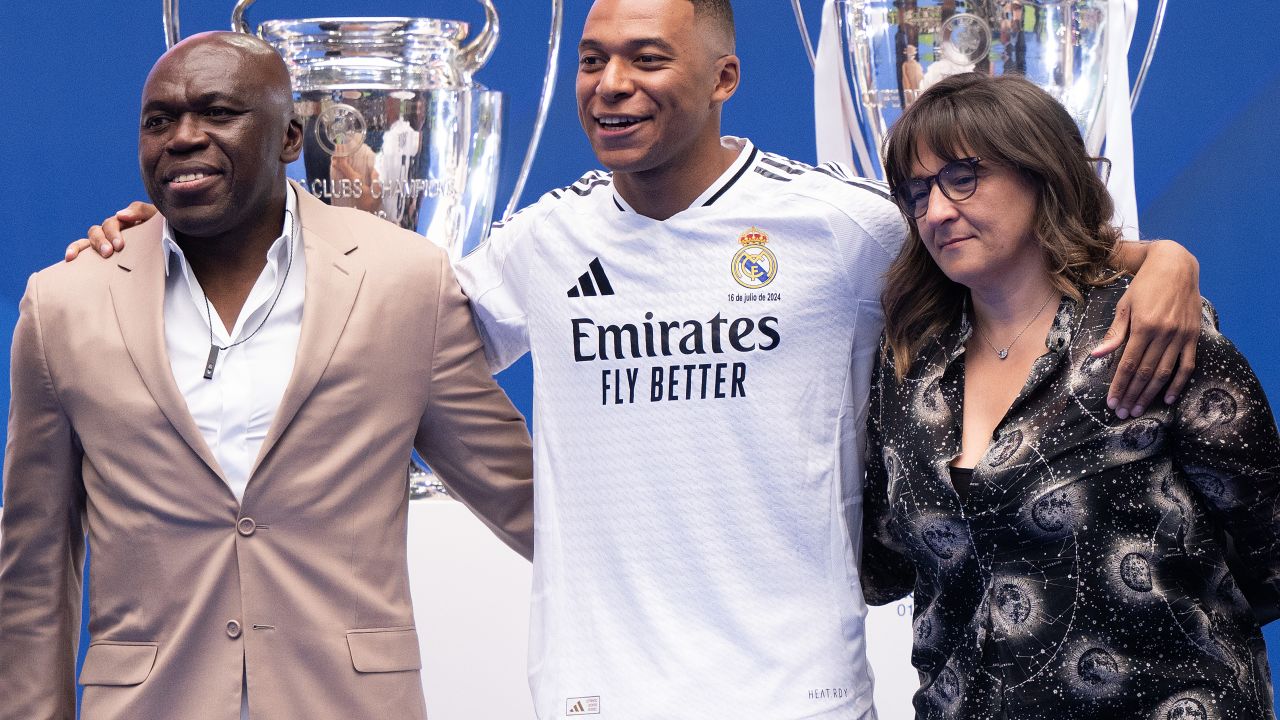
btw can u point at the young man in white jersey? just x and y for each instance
(702, 322)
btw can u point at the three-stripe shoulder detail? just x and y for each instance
(776, 167)
(837, 172)
(582, 187)
(585, 184)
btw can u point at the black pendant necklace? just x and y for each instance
(214, 349)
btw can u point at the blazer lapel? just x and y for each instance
(333, 280)
(137, 296)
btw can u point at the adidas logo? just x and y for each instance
(586, 287)
(583, 706)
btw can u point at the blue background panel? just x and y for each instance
(1205, 131)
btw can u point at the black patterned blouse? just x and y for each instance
(1086, 574)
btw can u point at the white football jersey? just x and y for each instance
(700, 391)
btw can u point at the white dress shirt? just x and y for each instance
(234, 409)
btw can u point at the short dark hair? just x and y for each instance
(720, 11)
(1007, 121)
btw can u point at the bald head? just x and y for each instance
(245, 55)
(218, 128)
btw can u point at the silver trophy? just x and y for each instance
(895, 49)
(394, 123)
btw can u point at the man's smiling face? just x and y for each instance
(215, 134)
(648, 82)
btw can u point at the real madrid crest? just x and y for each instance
(754, 265)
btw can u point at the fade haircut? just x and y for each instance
(720, 12)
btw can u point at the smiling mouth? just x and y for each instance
(190, 177)
(191, 180)
(618, 122)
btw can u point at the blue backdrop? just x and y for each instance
(1205, 131)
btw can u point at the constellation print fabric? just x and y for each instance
(1097, 567)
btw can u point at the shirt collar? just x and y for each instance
(276, 254)
(1059, 337)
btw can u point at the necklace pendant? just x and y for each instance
(1002, 354)
(211, 362)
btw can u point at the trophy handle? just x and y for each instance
(1146, 57)
(804, 32)
(171, 31)
(477, 52)
(544, 104)
(237, 16)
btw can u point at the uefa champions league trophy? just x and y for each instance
(394, 124)
(892, 50)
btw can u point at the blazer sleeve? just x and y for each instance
(1228, 449)
(42, 542)
(471, 434)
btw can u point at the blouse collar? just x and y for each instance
(1059, 338)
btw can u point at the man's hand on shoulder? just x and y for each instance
(106, 238)
(1159, 316)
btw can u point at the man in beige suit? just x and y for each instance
(226, 409)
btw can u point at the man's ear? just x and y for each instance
(728, 74)
(292, 141)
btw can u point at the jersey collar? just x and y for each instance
(746, 158)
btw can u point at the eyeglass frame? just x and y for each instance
(930, 181)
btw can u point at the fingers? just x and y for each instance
(1112, 341)
(1164, 355)
(109, 235)
(75, 248)
(1116, 334)
(1186, 365)
(1162, 332)
(1133, 371)
(107, 238)
(1156, 359)
(136, 212)
(98, 239)
(1152, 362)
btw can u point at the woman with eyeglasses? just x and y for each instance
(1066, 562)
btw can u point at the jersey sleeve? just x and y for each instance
(495, 280)
(866, 226)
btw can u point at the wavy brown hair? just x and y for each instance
(1007, 121)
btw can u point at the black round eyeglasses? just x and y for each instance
(958, 180)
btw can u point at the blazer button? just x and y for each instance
(233, 629)
(246, 526)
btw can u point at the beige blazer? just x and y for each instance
(304, 585)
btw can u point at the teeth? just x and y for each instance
(617, 121)
(188, 177)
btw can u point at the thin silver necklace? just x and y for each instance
(214, 348)
(1003, 352)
